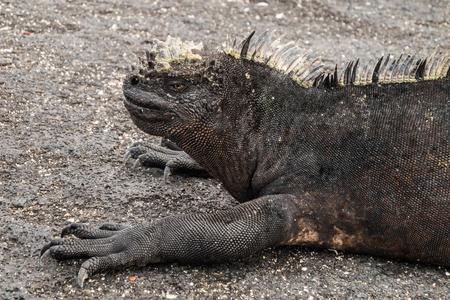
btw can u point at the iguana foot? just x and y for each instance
(86, 232)
(108, 247)
(170, 160)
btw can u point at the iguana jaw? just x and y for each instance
(147, 108)
(141, 111)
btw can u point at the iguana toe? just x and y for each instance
(134, 151)
(113, 226)
(101, 263)
(84, 231)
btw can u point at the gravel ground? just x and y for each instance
(64, 131)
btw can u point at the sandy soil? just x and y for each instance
(64, 131)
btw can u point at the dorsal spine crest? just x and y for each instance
(305, 68)
(302, 67)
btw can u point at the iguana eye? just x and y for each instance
(177, 85)
(136, 79)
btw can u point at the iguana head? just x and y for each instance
(180, 87)
(187, 94)
(175, 88)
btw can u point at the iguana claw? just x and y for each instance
(82, 275)
(45, 254)
(171, 161)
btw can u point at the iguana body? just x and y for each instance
(358, 162)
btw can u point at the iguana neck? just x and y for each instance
(226, 143)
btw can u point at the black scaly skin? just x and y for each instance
(357, 168)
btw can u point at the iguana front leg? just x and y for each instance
(170, 158)
(191, 238)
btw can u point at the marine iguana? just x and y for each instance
(358, 162)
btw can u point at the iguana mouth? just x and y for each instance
(134, 109)
(145, 107)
